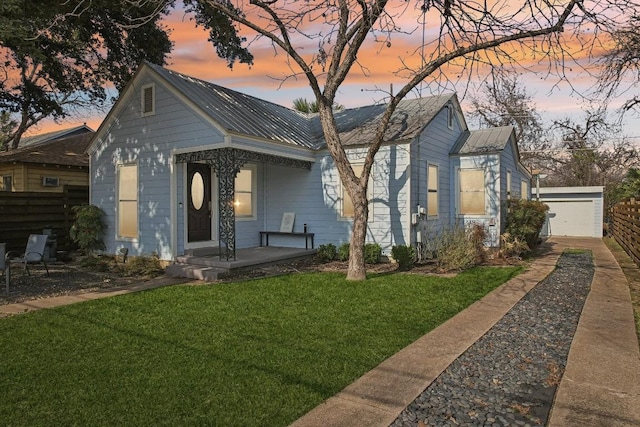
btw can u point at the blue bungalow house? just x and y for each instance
(180, 164)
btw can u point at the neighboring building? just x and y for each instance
(573, 211)
(181, 164)
(47, 164)
(54, 135)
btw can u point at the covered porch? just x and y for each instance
(209, 264)
(214, 210)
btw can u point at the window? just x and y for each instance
(7, 183)
(449, 116)
(148, 100)
(472, 192)
(128, 200)
(245, 191)
(524, 190)
(348, 211)
(508, 185)
(432, 190)
(50, 181)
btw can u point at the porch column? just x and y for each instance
(227, 166)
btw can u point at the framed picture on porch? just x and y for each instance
(286, 226)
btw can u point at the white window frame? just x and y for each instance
(459, 192)
(431, 190)
(344, 194)
(254, 194)
(152, 111)
(508, 184)
(119, 236)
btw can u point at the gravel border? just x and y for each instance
(510, 375)
(63, 279)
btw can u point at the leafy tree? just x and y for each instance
(465, 35)
(58, 56)
(503, 101)
(6, 127)
(305, 106)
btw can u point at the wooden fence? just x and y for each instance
(626, 227)
(25, 213)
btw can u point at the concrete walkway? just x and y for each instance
(600, 387)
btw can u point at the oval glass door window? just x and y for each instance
(197, 190)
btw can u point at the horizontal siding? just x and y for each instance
(148, 141)
(35, 173)
(433, 147)
(315, 197)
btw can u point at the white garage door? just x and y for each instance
(571, 218)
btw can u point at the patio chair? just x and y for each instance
(33, 254)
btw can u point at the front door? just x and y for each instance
(199, 205)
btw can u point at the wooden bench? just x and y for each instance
(307, 237)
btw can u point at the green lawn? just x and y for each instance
(261, 352)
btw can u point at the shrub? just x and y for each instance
(455, 249)
(98, 263)
(478, 234)
(525, 219)
(372, 253)
(405, 256)
(326, 253)
(143, 266)
(512, 247)
(343, 252)
(88, 228)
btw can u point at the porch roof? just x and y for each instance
(483, 141)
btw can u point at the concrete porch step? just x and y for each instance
(212, 267)
(198, 272)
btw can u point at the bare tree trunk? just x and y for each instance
(357, 270)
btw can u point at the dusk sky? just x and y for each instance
(267, 78)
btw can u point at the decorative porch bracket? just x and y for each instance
(226, 163)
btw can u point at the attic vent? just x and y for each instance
(148, 100)
(50, 181)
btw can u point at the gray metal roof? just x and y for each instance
(483, 140)
(241, 113)
(358, 126)
(247, 115)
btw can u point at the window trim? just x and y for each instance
(152, 111)
(119, 236)
(437, 190)
(459, 192)
(254, 193)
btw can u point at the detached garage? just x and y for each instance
(573, 211)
